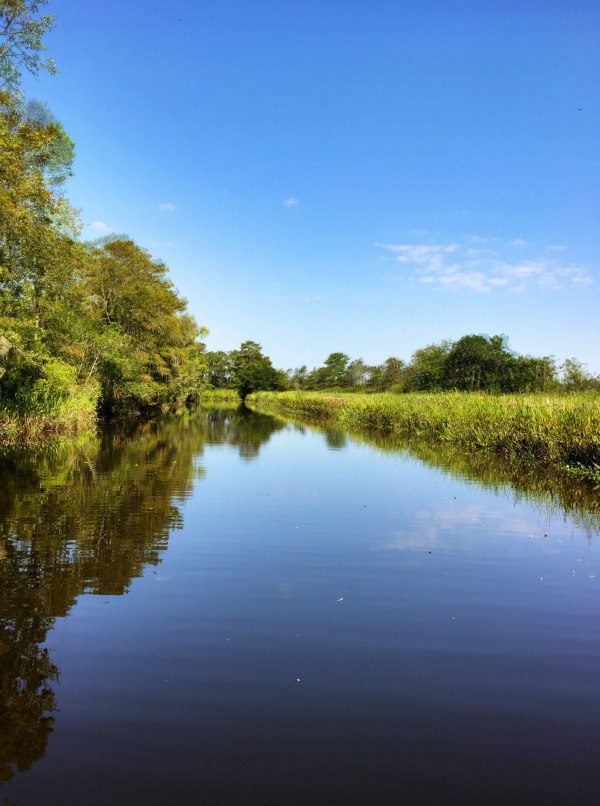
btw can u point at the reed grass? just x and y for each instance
(37, 428)
(561, 430)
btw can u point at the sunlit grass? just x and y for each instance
(557, 429)
(219, 396)
(33, 429)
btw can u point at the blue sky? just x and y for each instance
(340, 175)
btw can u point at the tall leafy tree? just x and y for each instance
(477, 362)
(40, 298)
(219, 369)
(427, 367)
(76, 318)
(575, 376)
(336, 365)
(146, 348)
(253, 371)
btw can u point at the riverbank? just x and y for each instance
(34, 429)
(81, 417)
(560, 430)
(209, 396)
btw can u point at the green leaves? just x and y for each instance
(22, 29)
(252, 371)
(79, 323)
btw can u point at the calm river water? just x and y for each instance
(224, 608)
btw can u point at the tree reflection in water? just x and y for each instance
(88, 517)
(91, 515)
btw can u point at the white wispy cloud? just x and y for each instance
(291, 202)
(101, 227)
(167, 207)
(458, 265)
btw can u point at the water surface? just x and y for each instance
(221, 607)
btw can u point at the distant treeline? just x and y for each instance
(472, 363)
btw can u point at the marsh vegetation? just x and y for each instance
(558, 430)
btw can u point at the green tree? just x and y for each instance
(56, 155)
(253, 371)
(534, 374)
(335, 367)
(576, 378)
(297, 378)
(390, 374)
(356, 373)
(41, 306)
(145, 350)
(22, 29)
(219, 369)
(478, 362)
(426, 371)
(74, 318)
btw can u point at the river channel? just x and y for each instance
(221, 607)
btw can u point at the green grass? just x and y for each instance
(219, 396)
(561, 430)
(31, 429)
(48, 417)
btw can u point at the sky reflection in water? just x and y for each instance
(308, 619)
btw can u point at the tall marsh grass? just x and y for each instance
(56, 406)
(557, 429)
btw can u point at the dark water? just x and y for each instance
(223, 608)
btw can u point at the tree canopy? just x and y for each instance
(246, 370)
(80, 325)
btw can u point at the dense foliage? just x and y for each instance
(246, 370)
(81, 325)
(22, 28)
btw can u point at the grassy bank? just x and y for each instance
(48, 416)
(561, 430)
(77, 415)
(219, 396)
(33, 429)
